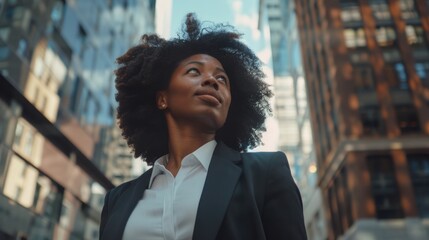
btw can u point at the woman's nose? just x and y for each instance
(211, 82)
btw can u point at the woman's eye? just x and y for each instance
(221, 78)
(193, 71)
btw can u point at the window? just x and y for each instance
(380, 10)
(359, 57)
(364, 76)
(24, 138)
(57, 12)
(419, 172)
(422, 69)
(48, 201)
(38, 67)
(14, 13)
(22, 47)
(408, 10)
(76, 94)
(386, 36)
(391, 55)
(4, 33)
(371, 119)
(66, 213)
(415, 34)
(355, 37)
(4, 53)
(18, 134)
(384, 187)
(402, 76)
(350, 12)
(397, 76)
(407, 118)
(28, 144)
(25, 185)
(333, 207)
(342, 180)
(4, 123)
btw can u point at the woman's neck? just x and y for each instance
(182, 142)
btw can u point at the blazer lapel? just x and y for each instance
(124, 205)
(219, 186)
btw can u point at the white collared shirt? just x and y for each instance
(169, 206)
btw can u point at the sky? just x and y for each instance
(242, 14)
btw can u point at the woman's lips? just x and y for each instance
(207, 98)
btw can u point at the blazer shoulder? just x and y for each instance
(265, 159)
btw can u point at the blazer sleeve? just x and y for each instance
(282, 214)
(104, 214)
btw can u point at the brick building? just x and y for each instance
(366, 65)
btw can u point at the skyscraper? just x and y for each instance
(367, 72)
(292, 112)
(59, 146)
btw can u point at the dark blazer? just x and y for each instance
(245, 196)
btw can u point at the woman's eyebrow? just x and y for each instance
(202, 64)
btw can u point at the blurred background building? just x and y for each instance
(59, 147)
(366, 65)
(292, 112)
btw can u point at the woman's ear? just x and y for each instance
(161, 100)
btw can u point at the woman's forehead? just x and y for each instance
(200, 58)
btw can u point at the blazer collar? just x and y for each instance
(219, 186)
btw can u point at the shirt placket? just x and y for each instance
(168, 216)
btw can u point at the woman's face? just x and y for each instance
(198, 93)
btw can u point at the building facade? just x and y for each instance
(60, 149)
(366, 66)
(292, 112)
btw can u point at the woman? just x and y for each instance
(190, 107)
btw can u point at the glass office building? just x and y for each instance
(60, 149)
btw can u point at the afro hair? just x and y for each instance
(146, 69)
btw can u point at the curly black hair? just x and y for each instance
(146, 69)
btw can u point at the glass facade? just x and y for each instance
(58, 137)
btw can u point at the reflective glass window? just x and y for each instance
(380, 10)
(354, 37)
(408, 9)
(31, 189)
(422, 70)
(364, 75)
(350, 12)
(407, 118)
(419, 173)
(384, 187)
(386, 36)
(415, 34)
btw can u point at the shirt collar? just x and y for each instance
(203, 154)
